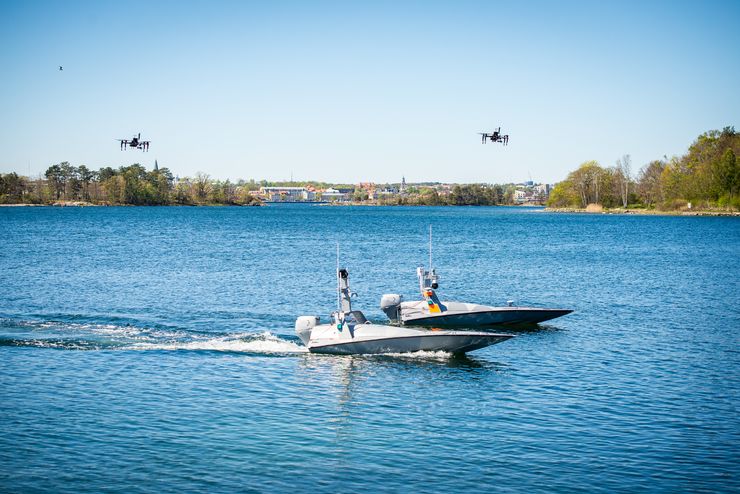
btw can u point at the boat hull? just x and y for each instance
(452, 342)
(483, 317)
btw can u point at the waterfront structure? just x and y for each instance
(530, 193)
(332, 194)
(367, 191)
(287, 194)
(542, 192)
(520, 196)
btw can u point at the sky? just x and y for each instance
(363, 91)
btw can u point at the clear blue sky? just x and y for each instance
(363, 91)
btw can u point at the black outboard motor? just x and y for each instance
(390, 303)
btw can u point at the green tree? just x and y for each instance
(137, 190)
(114, 188)
(86, 176)
(360, 195)
(726, 175)
(509, 195)
(202, 185)
(161, 183)
(69, 179)
(106, 173)
(588, 180)
(649, 183)
(430, 197)
(676, 183)
(56, 180)
(183, 190)
(12, 188)
(564, 194)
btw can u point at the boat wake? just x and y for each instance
(68, 335)
(242, 343)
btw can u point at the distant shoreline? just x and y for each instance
(643, 212)
(613, 211)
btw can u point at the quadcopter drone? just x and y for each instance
(496, 136)
(134, 143)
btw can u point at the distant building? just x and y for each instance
(542, 192)
(386, 192)
(520, 196)
(335, 194)
(287, 194)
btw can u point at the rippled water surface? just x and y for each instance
(152, 350)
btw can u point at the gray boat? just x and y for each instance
(432, 312)
(349, 332)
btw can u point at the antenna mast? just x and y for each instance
(430, 248)
(339, 288)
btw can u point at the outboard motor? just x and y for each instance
(303, 327)
(390, 303)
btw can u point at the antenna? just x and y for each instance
(339, 288)
(430, 248)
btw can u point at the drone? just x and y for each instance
(496, 136)
(135, 143)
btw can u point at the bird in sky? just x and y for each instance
(60, 67)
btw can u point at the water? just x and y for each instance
(152, 350)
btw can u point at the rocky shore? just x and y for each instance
(653, 212)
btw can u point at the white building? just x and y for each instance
(287, 194)
(333, 195)
(520, 196)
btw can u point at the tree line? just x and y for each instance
(707, 176)
(134, 185)
(127, 185)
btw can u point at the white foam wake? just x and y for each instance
(246, 343)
